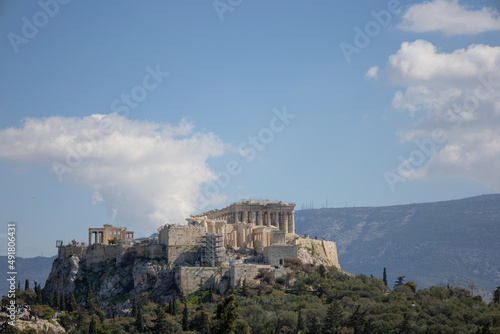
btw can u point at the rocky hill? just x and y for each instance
(452, 242)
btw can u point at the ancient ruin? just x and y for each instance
(107, 233)
(232, 243)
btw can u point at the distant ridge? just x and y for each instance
(35, 269)
(455, 241)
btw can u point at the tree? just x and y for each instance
(496, 295)
(412, 285)
(134, 308)
(300, 322)
(161, 324)
(27, 285)
(72, 305)
(313, 327)
(201, 322)
(139, 321)
(227, 313)
(400, 281)
(39, 295)
(333, 318)
(185, 318)
(356, 320)
(93, 326)
(384, 278)
(322, 270)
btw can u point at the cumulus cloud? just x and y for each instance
(449, 17)
(146, 173)
(372, 72)
(456, 97)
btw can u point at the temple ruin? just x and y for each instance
(107, 233)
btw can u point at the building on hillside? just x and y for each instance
(107, 233)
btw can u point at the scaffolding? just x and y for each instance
(211, 250)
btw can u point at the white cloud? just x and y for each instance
(455, 94)
(449, 17)
(147, 173)
(372, 72)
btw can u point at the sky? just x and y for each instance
(140, 113)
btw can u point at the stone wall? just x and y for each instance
(240, 273)
(190, 279)
(121, 252)
(182, 255)
(276, 254)
(180, 235)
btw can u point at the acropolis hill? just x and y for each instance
(223, 247)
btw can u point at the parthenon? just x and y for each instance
(277, 214)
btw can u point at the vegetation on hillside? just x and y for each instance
(307, 300)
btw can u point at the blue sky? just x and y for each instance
(141, 113)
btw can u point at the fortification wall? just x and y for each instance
(70, 250)
(182, 255)
(180, 235)
(276, 254)
(190, 279)
(152, 251)
(240, 273)
(319, 251)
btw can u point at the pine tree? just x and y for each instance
(333, 318)
(185, 318)
(385, 278)
(400, 281)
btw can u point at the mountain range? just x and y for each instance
(450, 242)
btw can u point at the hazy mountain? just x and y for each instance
(36, 269)
(454, 242)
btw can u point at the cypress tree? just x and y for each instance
(139, 321)
(314, 327)
(227, 313)
(134, 308)
(93, 326)
(27, 285)
(39, 295)
(300, 322)
(161, 324)
(333, 318)
(185, 318)
(496, 295)
(385, 278)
